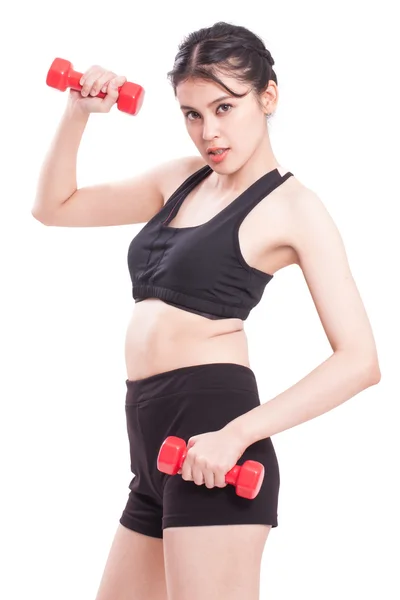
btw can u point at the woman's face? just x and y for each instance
(213, 118)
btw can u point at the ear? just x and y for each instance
(269, 97)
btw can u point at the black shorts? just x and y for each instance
(185, 402)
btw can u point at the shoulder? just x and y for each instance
(177, 171)
(297, 218)
(307, 225)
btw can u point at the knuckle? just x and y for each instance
(105, 77)
(102, 84)
(86, 74)
(89, 72)
(87, 85)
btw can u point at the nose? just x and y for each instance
(210, 129)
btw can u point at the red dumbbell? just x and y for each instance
(247, 478)
(62, 76)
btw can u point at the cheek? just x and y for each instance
(253, 126)
(244, 122)
(248, 132)
(193, 133)
(193, 130)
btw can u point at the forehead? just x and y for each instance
(204, 90)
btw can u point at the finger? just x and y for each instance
(186, 472)
(91, 69)
(209, 479)
(89, 77)
(100, 81)
(198, 475)
(188, 465)
(220, 480)
(116, 81)
(112, 93)
(86, 74)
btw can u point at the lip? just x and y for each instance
(218, 158)
(214, 148)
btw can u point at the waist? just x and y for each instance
(183, 381)
(162, 337)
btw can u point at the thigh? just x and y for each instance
(214, 562)
(134, 568)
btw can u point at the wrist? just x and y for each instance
(75, 110)
(235, 429)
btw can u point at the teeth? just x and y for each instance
(218, 152)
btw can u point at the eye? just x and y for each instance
(230, 106)
(192, 112)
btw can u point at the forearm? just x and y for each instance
(333, 382)
(57, 179)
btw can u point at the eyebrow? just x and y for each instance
(211, 103)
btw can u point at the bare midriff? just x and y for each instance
(161, 337)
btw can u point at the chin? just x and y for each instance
(224, 167)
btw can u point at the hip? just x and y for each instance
(185, 402)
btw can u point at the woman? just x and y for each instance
(218, 226)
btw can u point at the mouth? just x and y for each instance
(216, 151)
(218, 155)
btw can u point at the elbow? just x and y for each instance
(370, 371)
(365, 366)
(377, 375)
(39, 217)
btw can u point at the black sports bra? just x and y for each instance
(201, 268)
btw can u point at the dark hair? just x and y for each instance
(233, 50)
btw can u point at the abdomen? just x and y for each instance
(161, 337)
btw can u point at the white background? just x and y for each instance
(66, 295)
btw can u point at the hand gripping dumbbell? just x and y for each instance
(62, 76)
(247, 478)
